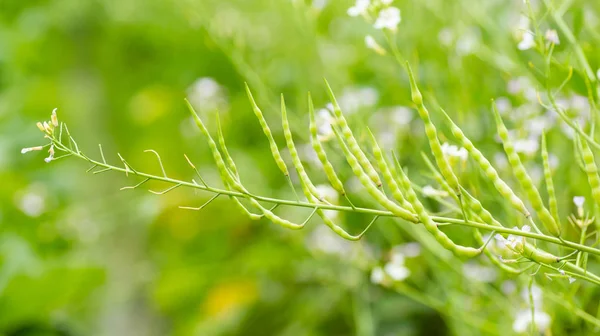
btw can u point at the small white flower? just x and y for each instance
(552, 36)
(527, 41)
(526, 146)
(571, 280)
(360, 8)
(446, 36)
(508, 287)
(388, 18)
(430, 191)
(373, 45)
(514, 242)
(377, 275)
(30, 149)
(324, 120)
(410, 250)
(523, 319)
(51, 156)
(579, 200)
(453, 151)
(396, 272)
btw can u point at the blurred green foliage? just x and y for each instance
(80, 257)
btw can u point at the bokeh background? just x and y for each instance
(80, 257)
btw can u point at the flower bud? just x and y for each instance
(54, 118)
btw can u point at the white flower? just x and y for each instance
(51, 156)
(373, 45)
(359, 8)
(408, 250)
(355, 98)
(523, 319)
(207, 95)
(388, 18)
(446, 36)
(430, 191)
(327, 192)
(513, 242)
(324, 119)
(396, 272)
(454, 152)
(579, 200)
(503, 105)
(526, 146)
(527, 41)
(552, 36)
(571, 280)
(30, 149)
(401, 115)
(508, 287)
(377, 275)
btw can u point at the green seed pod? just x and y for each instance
(524, 180)
(306, 182)
(539, 256)
(387, 173)
(371, 188)
(430, 225)
(223, 171)
(321, 154)
(228, 158)
(308, 188)
(552, 203)
(267, 131)
(591, 169)
(352, 143)
(276, 219)
(486, 166)
(431, 132)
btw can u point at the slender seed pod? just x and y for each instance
(267, 131)
(352, 143)
(387, 173)
(486, 166)
(371, 188)
(482, 214)
(308, 188)
(228, 158)
(321, 154)
(591, 169)
(552, 203)
(524, 180)
(430, 225)
(276, 219)
(539, 256)
(431, 132)
(222, 168)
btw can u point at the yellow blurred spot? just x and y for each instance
(229, 296)
(150, 104)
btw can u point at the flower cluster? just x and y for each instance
(386, 16)
(395, 269)
(48, 128)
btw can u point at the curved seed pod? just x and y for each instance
(371, 188)
(524, 180)
(486, 166)
(223, 171)
(321, 154)
(267, 131)
(352, 143)
(430, 225)
(431, 132)
(308, 188)
(539, 256)
(294, 153)
(591, 169)
(552, 203)
(228, 157)
(276, 219)
(387, 173)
